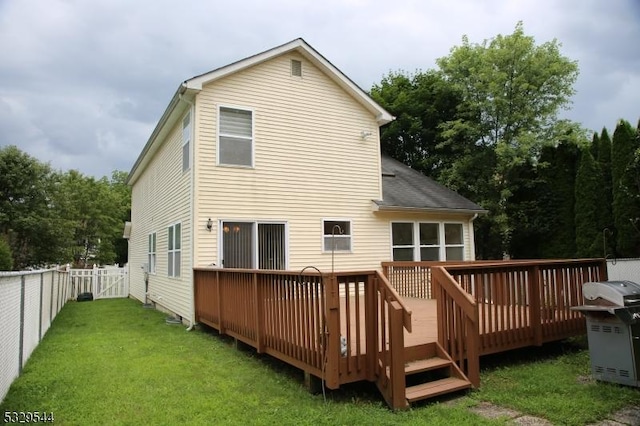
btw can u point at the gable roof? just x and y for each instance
(404, 188)
(189, 88)
(302, 47)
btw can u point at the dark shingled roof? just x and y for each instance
(403, 187)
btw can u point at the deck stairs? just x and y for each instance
(429, 372)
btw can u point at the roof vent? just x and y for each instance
(296, 68)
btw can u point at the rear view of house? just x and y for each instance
(273, 162)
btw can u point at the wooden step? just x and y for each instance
(421, 365)
(435, 388)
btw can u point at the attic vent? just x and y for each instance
(296, 68)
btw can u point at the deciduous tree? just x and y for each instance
(512, 91)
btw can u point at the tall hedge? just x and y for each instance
(589, 195)
(626, 202)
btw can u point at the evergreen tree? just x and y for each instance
(626, 203)
(595, 145)
(589, 195)
(605, 221)
(557, 203)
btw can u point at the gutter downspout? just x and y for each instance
(192, 113)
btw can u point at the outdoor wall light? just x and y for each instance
(209, 224)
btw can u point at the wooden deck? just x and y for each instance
(415, 316)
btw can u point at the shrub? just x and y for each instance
(6, 261)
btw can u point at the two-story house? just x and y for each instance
(273, 162)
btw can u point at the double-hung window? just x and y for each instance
(174, 250)
(453, 241)
(415, 241)
(151, 253)
(235, 137)
(336, 235)
(186, 142)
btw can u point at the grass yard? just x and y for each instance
(113, 362)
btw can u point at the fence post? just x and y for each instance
(21, 343)
(40, 307)
(95, 285)
(53, 278)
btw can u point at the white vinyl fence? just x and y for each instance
(104, 283)
(29, 301)
(623, 269)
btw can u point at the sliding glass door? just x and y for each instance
(247, 244)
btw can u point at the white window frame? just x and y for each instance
(186, 141)
(252, 138)
(174, 254)
(345, 236)
(444, 239)
(442, 245)
(152, 245)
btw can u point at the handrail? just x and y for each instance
(395, 297)
(458, 334)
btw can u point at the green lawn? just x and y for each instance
(113, 362)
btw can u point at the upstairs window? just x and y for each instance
(235, 137)
(186, 142)
(336, 235)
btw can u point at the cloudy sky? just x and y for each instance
(83, 83)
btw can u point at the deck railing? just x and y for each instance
(393, 317)
(283, 314)
(457, 315)
(517, 303)
(312, 321)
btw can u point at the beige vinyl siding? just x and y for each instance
(311, 163)
(161, 197)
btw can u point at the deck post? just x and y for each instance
(312, 383)
(473, 349)
(371, 324)
(219, 290)
(534, 304)
(396, 343)
(257, 294)
(604, 274)
(332, 297)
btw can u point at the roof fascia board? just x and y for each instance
(400, 209)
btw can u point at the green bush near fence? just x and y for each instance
(6, 260)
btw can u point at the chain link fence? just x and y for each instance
(624, 269)
(29, 302)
